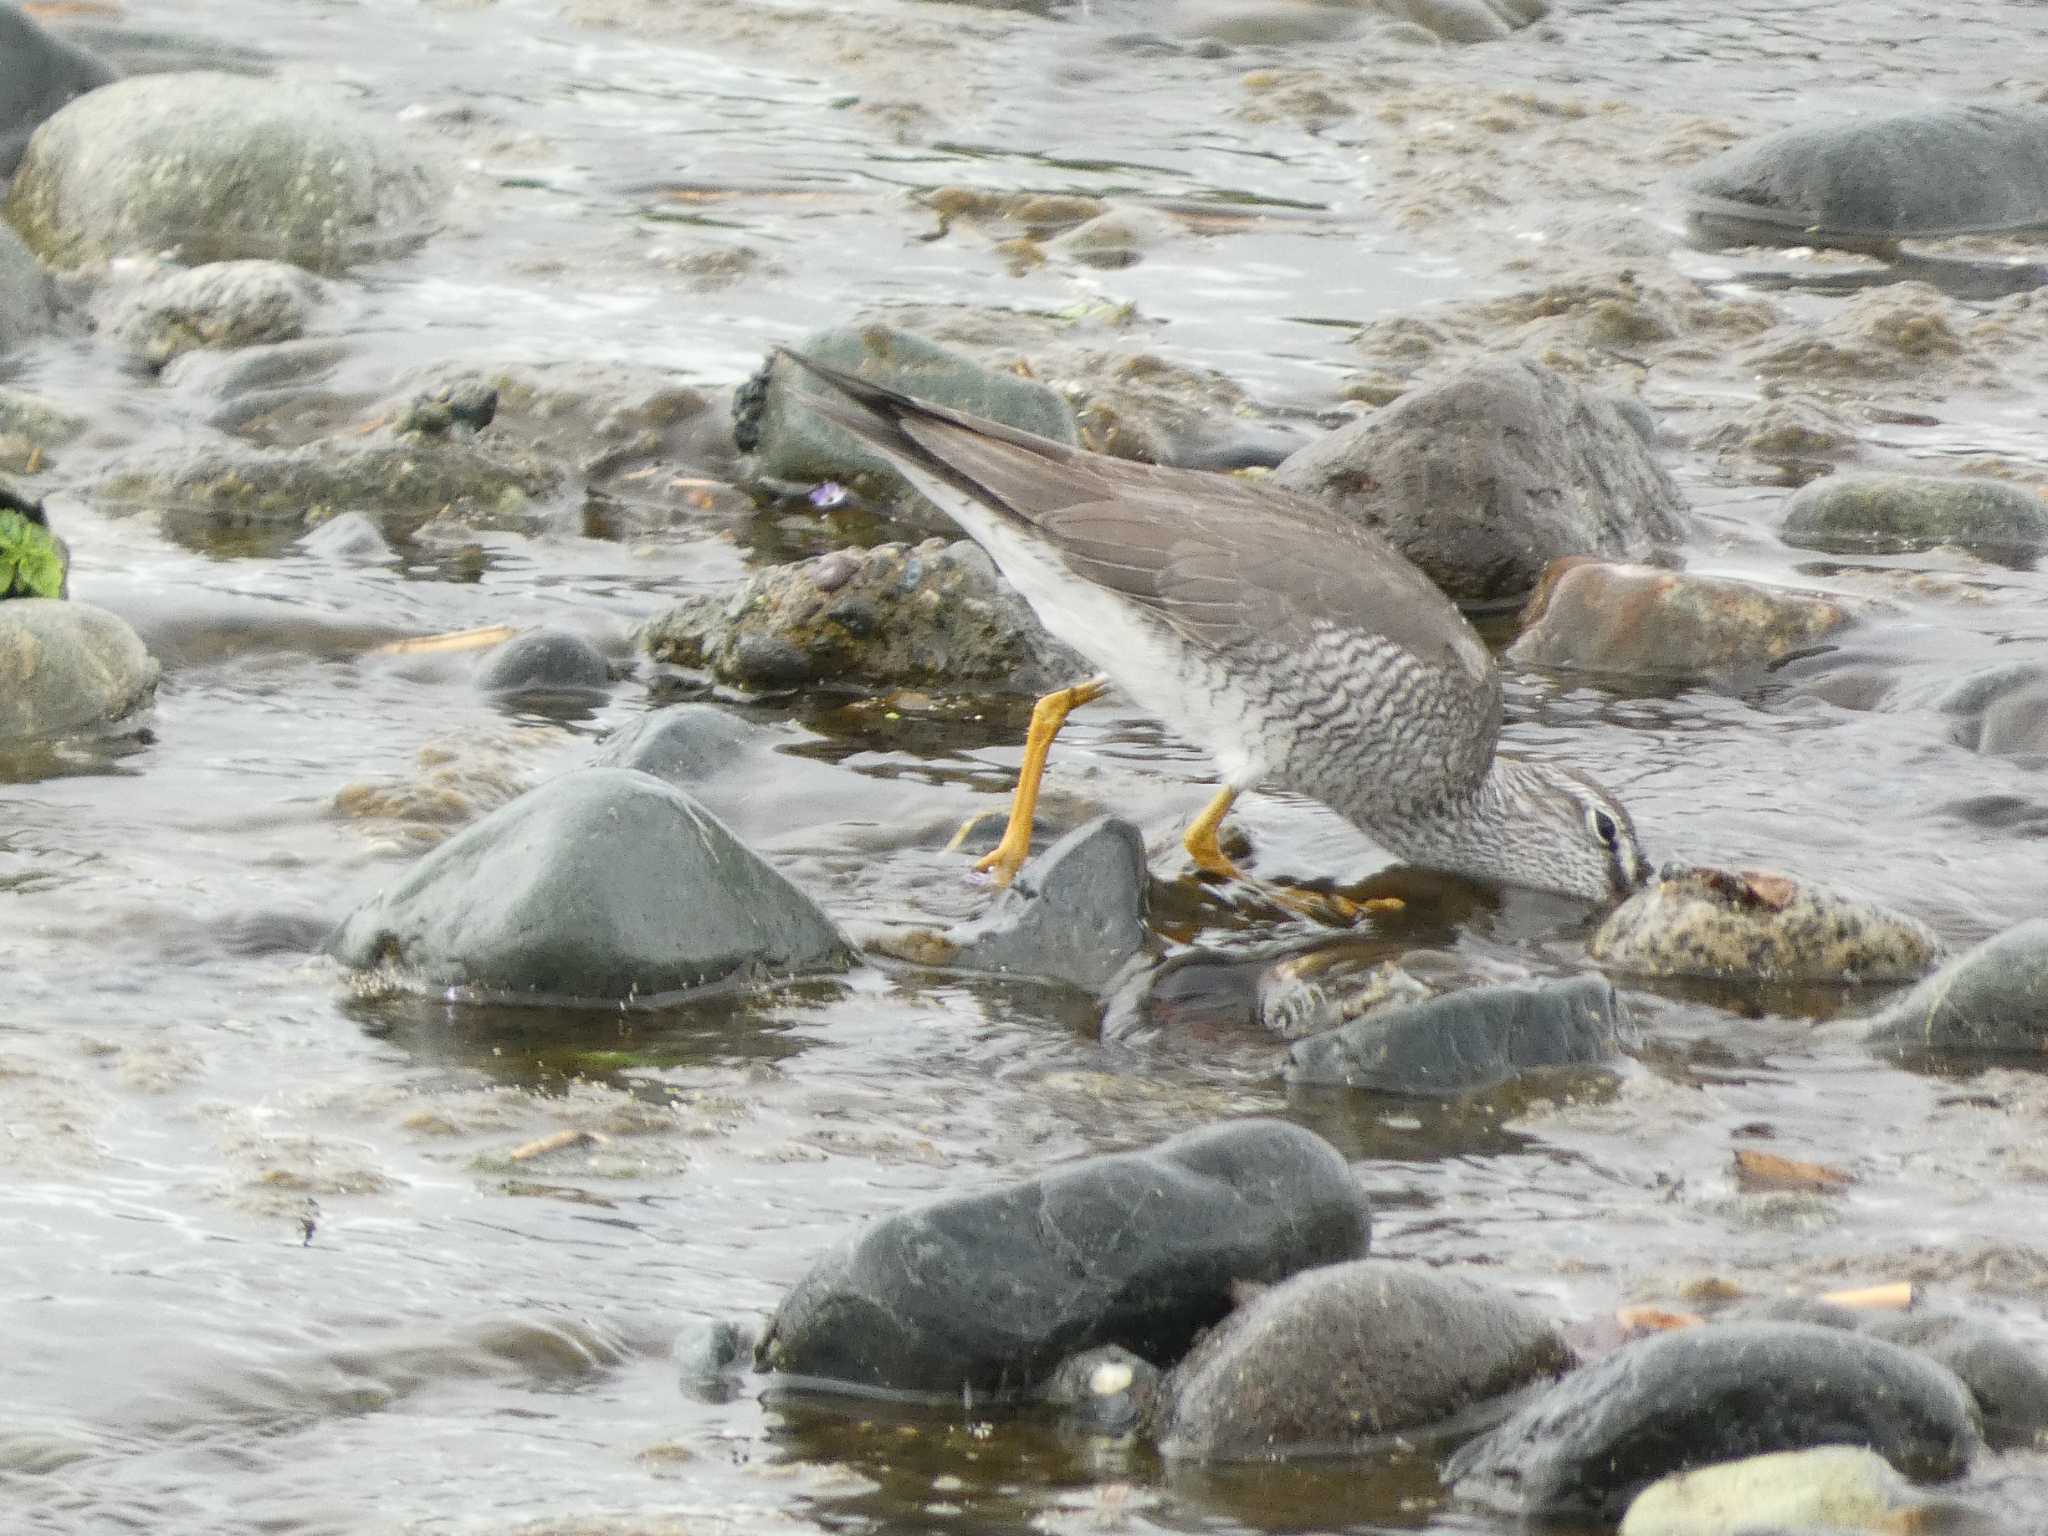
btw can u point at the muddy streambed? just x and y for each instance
(267, 1262)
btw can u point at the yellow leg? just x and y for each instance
(1201, 841)
(1047, 716)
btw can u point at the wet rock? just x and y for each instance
(545, 661)
(1465, 21)
(1468, 1040)
(224, 304)
(1321, 990)
(1646, 622)
(1866, 183)
(1484, 479)
(601, 886)
(983, 1295)
(1990, 998)
(708, 1350)
(2007, 1380)
(67, 668)
(1797, 438)
(1675, 1401)
(400, 485)
(450, 410)
(38, 74)
(1106, 1391)
(896, 613)
(1074, 914)
(791, 442)
(1900, 331)
(24, 287)
(1694, 921)
(1890, 513)
(2002, 712)
(349, 539)
(1138, 405)
(1118, 237)
(1328, 1361)
(1834, 1488)
(686, 744)
(214, 167)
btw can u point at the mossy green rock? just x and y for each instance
(217, 167)
(1890, 513)
(66, 668)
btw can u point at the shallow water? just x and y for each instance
(265, 1261)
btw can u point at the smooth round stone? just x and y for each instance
(1871, 181)
(545, 661)
(1327, 1362)
(216, 167)
(1892, 513)
(67, 667)
(1694, 921)
(1990, 998)
(223, 304)
(1675, 1401)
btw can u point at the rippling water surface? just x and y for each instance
(265, 1262)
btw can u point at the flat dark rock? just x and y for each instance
(1330, 1360)
(1468, 1040)
(1676, 1401)
(1948, 171)
(986, 1294)
(2007, 1379)
(601, 886)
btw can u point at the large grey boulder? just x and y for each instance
(215, 167)
(984, 1295)
(1871, 181)
(603, 886)
(66, 668)
(1485, 478)
(38, 74)
(1327, 1362)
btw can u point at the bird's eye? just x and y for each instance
(1605, 829)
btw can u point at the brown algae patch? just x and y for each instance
(1695, 921)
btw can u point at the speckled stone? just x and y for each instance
(1694, 921)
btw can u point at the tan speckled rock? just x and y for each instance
(1594, 616)
(1693, 921)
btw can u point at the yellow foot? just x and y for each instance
(1201, 842)
(1047, 716)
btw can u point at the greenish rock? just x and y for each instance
(1486, 477)
(1468, 1040)
(601, 887)
(217, 167)
(790, 441)
(33, 560)
(32, 417)
(1868, 182)
(1644, 621)
(1885, 514)
(24, 291)
(1694, 921)
(1990, 998)
(399, 484)
(224, 304)
(1327, 1362)
(67, 668)
(1835, 1488)
(896, 613)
